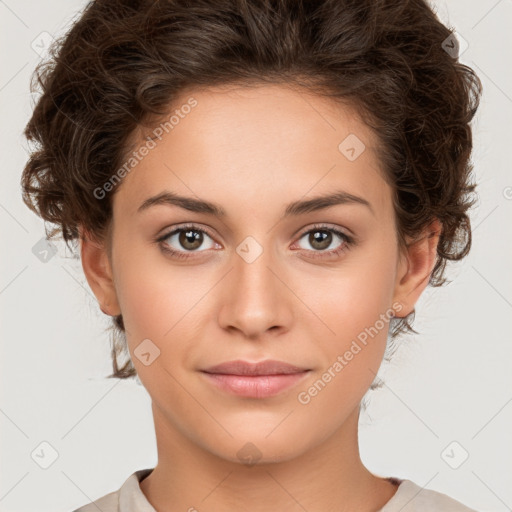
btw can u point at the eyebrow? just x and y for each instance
(294, 208)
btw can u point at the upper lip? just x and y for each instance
(267, 367)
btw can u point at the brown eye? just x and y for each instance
(320, 238)
(190, 239)
(185, 239)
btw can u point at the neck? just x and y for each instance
(328, 477)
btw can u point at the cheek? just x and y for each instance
(354, 296)
(153, 293)
(358, 312)
(164, 304)
(355, 305)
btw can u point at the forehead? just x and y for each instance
(229, 141)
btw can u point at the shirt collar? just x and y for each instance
(131, 497)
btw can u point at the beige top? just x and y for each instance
(408, 498)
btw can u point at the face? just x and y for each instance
(313, 287)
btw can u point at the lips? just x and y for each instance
(268, 367)
(255, 380)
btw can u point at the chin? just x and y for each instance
(257, 450)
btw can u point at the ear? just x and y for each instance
(98, 272)
(415, 265)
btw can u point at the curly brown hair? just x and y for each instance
(123, 62)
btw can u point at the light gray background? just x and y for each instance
(450, 383)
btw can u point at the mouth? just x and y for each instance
(255, 380)
(262, 368)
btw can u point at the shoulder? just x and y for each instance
(410, 497)
(107, 503)
(128, 498)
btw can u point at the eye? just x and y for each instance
(186, 238)
(322, 237)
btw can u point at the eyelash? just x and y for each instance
(348, 241)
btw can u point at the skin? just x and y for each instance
(253, 151)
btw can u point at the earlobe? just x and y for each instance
(415, 266)
(98, 272)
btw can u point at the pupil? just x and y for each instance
(191, 237)
(322, 236)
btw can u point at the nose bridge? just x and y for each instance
(252, 266)
(257, 298)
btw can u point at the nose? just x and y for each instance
(255, 297)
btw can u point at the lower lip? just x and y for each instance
(260, 386)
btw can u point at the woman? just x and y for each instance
(261, 191)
